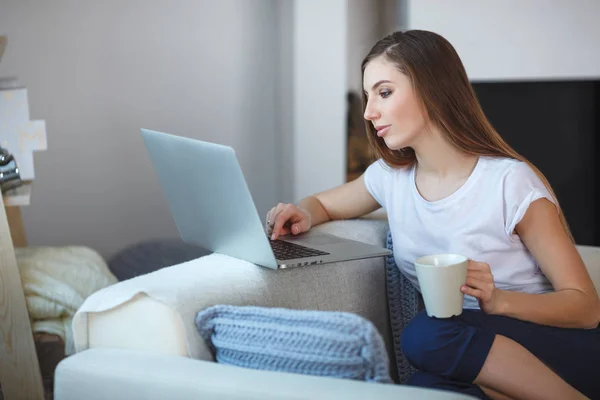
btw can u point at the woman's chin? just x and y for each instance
(394, 145)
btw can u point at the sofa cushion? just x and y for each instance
(324, 343)
(404, 302)
(151, 255)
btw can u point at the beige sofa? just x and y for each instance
(137, 339)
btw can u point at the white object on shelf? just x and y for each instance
(20, 136)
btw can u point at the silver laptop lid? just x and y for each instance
(208, 197)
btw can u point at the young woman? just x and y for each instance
(451, 184)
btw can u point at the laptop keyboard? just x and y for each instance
(287, 251)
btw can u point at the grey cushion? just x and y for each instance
(404, 302)
(149, 256)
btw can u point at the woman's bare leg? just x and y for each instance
(512, 371)
(492, 394)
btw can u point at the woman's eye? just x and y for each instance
(385, 93)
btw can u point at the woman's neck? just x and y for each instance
(437, 157)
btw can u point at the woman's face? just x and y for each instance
(392, 106)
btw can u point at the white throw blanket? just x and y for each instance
(56, 281)
(186, 288)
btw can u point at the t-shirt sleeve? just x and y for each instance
(522, 186)
(376, 177)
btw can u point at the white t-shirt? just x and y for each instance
(477, 221)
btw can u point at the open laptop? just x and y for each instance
(212, 207)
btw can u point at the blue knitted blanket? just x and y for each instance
(324, 343)
(404, 302)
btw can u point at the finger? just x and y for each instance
(280, 229)
(483, 275)
(268, 222)
(278, 210)
(476, 283)
(281, 225)
(272, 216)
(275, 211)
(478, 294)
(477, 266)
(299, 227)
(300, 222)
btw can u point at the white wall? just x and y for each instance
(322, 43)
(364, 29)
(319, 95)
(329, 41)
(515, 39)
(285, 117)
(99, 71)
(268, 77)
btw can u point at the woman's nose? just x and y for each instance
(370, 114)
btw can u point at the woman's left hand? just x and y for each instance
(480, 284)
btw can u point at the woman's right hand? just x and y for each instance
(287, 218)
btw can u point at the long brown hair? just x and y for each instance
(439, 79)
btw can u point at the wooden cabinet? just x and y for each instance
(20, 375)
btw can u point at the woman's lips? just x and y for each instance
(382, 130)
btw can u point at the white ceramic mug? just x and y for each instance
(440, 278)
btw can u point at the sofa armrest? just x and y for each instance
(146, 322)
(98, 374)
(591, 259)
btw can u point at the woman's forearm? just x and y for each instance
(567, 308)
